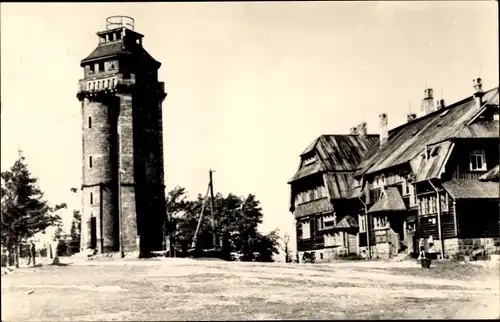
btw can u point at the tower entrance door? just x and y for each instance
(93, 233)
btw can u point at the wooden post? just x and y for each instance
(438, 218)
(214, 236)
(367, 228)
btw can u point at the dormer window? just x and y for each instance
(309, 160)
(477, 160)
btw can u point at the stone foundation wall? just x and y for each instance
(379, 251)
(465, 246)
(326, 255)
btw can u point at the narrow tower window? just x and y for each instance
(90, 162)
(107, 83)
(91, 198)
(90, 122)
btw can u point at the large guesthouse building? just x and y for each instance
(435, 176)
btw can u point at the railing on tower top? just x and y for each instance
(120, 21)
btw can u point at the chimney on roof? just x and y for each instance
(428, 101)
(361, 129)
(440, 104)
(478, 90)
(411, 116)
(354, 130)
(384, 129)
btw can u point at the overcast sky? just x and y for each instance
(250, 84)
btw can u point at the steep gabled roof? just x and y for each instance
(344, 152)
(346, 223)
(409, 140)
(390, 200)
(336, 153)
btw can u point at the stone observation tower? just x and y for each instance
(123, 200)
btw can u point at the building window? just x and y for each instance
(424, 206)
(299, 230)
(320, 255)
(375, 195)
(444, 202)
(90, 122)
(328, 240)
(101, 66)
(432, 204)
(91, 69)
(90, 162)
(112, 82)
(362, 223)
(477, 161)
(339, 239)
(306, 230)
(413, 199)
(379, 222)
(91, 198)
(328, 222)
(309, 160)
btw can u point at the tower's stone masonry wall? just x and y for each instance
(109, 216)
(127, 140)
(96, 143)
(129, 218)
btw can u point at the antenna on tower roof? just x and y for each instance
(480, 70)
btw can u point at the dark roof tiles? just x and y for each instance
(409, 140)
(390, 200)
(346, 223)
(472, 189)
(105, 50)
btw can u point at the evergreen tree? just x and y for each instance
(24, 211)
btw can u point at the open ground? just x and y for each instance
(185, 289)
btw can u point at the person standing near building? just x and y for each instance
(422, 249)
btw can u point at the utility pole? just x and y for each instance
(214, 236)
(119, 179)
